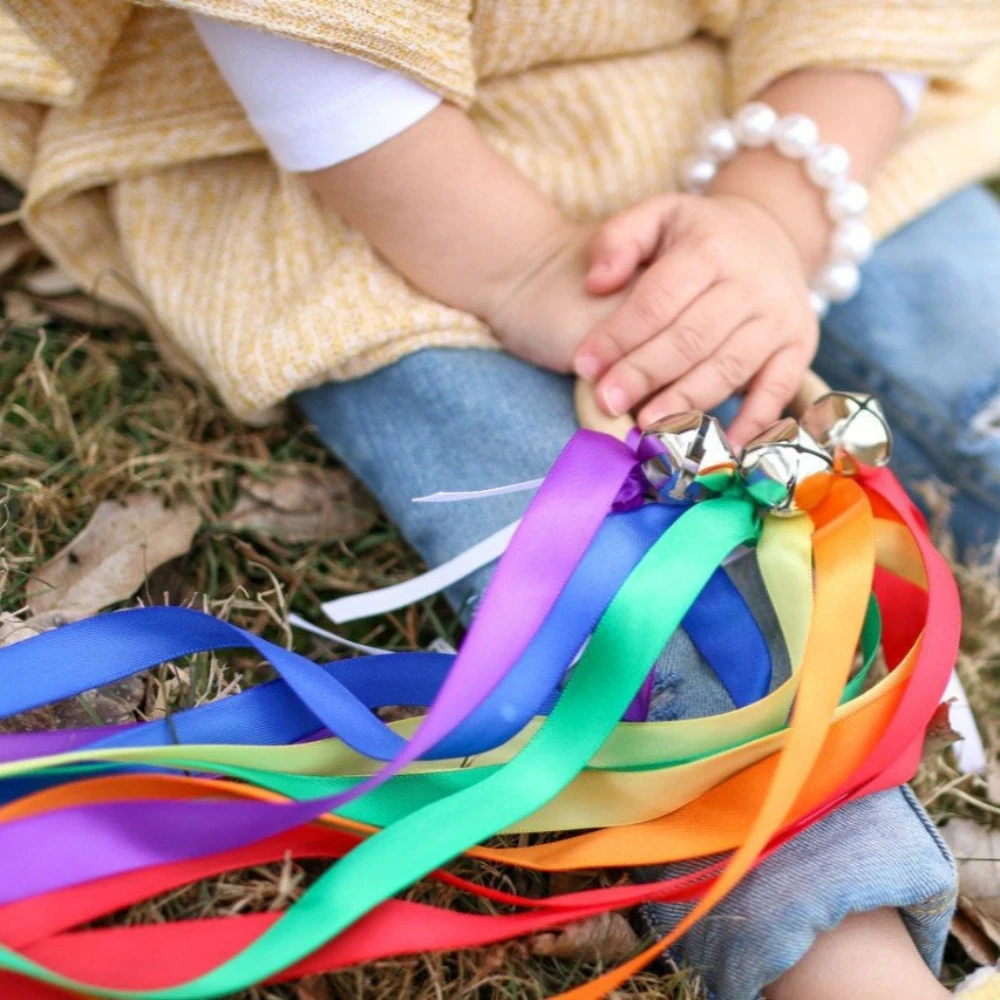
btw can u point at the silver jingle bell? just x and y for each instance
(785, 470)
(851, 427)
(693, 460)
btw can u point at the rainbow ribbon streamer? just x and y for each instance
(516, 737)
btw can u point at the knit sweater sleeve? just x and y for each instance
(53, 51)
(429, 41)
(938, 38)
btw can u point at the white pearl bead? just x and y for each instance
(718, 140)
(819, 304)
(755, 124)
(847, 201)
(838, 281)
(697, 172)
(852, 241)
(796, 136)
(828, 166)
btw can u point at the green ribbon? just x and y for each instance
(409, 792)
(629, 637)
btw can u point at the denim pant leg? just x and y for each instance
(468, 419)
(923, 334)
(446, 419)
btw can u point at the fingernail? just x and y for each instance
(614, 401)
(587, 366)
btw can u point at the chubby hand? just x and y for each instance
(542, 312)
(720, 305)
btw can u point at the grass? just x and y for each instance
(89, 414)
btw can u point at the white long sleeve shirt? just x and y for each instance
(315, 108)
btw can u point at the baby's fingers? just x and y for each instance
(714, 380)
(770, 392)
(623, 243)
(658, 298)
(698, 332)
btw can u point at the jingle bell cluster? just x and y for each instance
(787, 469)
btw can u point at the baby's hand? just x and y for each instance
(722, 305)
(544, 311)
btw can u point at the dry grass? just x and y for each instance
(87, 415)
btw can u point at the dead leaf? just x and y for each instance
(14, 628)
(14, 247)
(977, 852)
(606, 937)
(976, 944)
(939, 733)
(171, 583)
(988, 925)
(82, 309)
(109, 706)
(11, 628)
(993, 782)
(304, 506)
(396, 713)
(20, 310)
(563, 883)
(49, 281)
(29, 722)
(108, 561)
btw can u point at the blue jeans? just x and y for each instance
(921, 336)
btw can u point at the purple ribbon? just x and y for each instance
(579, 492)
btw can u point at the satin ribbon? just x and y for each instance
(319, 959)
(629, 753)
(858, 714)
(593, 799)
(101, 650)
(626, 729)
(896, 754)
(627, 639)
(581, 487)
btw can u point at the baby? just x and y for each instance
(676, 303)
(426, 181)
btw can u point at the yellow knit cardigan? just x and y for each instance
(145, 182)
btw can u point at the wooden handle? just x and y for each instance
(810, 390)
(593, 417)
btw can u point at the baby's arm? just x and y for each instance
(420, 182)
(466, 227)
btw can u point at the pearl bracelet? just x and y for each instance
(828, 167)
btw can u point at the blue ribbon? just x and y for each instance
(339, 696)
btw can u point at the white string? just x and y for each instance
(378, 602)
(299, 622)
(451, 496)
